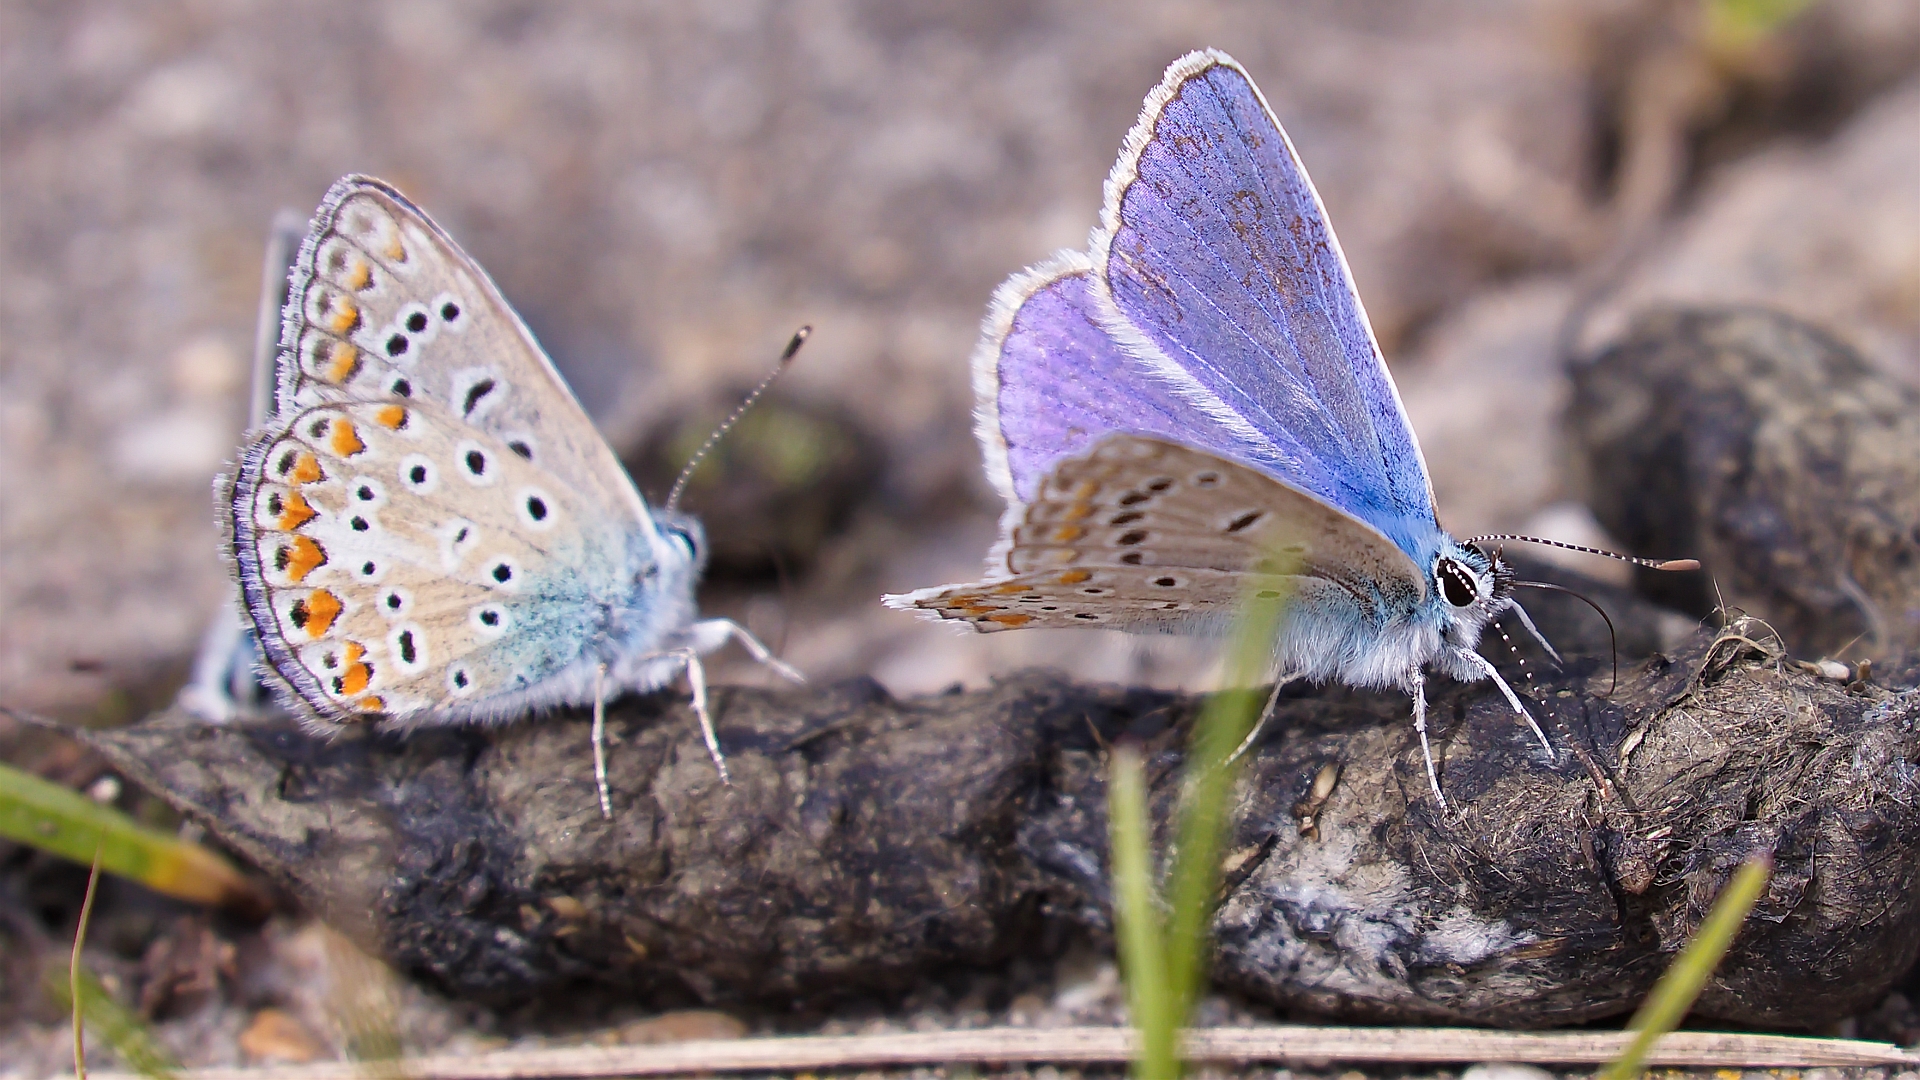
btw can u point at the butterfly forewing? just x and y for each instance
(1223, 273)
(1140, 530)
(430, 529)
(384, 305)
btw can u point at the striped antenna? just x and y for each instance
(800, 337)
(1651, 564)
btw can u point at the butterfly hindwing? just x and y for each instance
(1050, 380)
(376, 549)
(1143, 531)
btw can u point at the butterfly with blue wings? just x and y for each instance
(1195, 409)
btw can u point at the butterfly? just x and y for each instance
(1195, 409)
(429, 530)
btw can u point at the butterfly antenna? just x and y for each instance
(1613, 640)
(800, 337)
(1651, 564)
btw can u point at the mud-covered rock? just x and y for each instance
(865, 842)
(1772, 452)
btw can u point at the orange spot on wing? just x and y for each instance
(355, 674)
(1074, 577)
(395, 250)
(1067, 534)
(371, 704)
(1076, 511)
(304, 557)
(1009, 588)
(306, 469)
(359, 276)
(294, 512)
(346, 315)
(1010, 618)
(969, 604)
(343, 360)
(316, 613)
(391, 416)
(342, 439)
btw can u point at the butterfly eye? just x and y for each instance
(1456, 584)
(682, 537)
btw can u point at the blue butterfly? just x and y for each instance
(1200, 394)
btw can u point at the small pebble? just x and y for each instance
(1505, 1070)
(685, 1025)
(275, 1037)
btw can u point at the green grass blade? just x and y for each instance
(1224, 724)
(1743, 24)
(1165, 970)
(1137, 919)
(1676, 991)
(60, 820)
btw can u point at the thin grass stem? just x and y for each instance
(1678, 988)
(1137, 919)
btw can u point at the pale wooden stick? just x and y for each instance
(1104, 1045)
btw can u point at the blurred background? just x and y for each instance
(667, 190)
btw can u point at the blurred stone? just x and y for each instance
(1828, 232)
(773, 491)
(179, 446)
(1505, 1070)
(1485, 393)
(1775, 455)
(209, 368)
(274, 1037)
(684, 1025)
(182, 968)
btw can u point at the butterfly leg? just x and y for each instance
(710, 634)
(1419, 691)
(1475, 660)
(706, 636)
(600, 741)
(1279, 683)
(688, 657)
(1527, 621)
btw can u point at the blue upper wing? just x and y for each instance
(1215, 270)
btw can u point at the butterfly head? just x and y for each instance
(1470, 587)
(679, 540)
